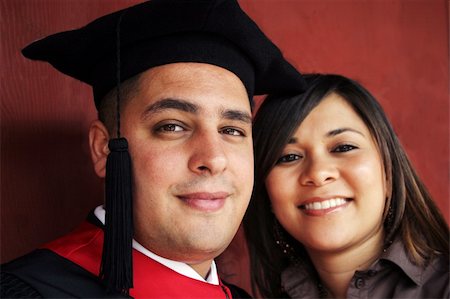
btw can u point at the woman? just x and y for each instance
(338, 211)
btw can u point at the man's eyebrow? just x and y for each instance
(239, 115)
(169, 103)
(342, 130)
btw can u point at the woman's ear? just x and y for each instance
(98, 144)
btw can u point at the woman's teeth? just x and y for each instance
(326, 204)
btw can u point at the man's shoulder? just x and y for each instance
(43, 273)
(12, 286)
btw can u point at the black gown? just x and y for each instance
(57, 272)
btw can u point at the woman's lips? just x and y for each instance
(319, 207)
(205, 201)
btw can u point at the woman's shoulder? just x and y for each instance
(416, 281)
(435, 276)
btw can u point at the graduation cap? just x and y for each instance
(118, 46)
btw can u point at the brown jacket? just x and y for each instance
(391, 276)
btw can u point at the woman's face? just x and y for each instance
(328, 188)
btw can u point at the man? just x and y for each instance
(173, 83)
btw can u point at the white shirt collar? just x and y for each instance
(179, 267)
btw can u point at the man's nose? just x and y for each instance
(208, 154)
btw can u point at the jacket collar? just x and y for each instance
(397, 254)
(299, 283)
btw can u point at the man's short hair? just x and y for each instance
(107, 112)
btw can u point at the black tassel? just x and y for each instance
(116, 270)
(117, 266)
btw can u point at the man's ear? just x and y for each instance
(98, 144)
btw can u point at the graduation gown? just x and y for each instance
(68, 268)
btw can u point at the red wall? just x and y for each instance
(398, 49)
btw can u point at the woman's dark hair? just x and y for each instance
(415, 218)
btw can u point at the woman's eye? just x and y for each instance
(232, 131)
(288, 158)
(170, 128)
(343, 148)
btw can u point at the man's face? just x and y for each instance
(190, 140)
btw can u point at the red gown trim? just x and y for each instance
(151, 279)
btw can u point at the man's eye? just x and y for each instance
(288, 158)
(232, 131)
(343, 148)
(170, 128)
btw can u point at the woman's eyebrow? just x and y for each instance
(342, 130)
(331, 133)
(292, 140)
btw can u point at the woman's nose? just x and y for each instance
(318, 171)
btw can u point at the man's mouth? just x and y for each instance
(205, 201)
